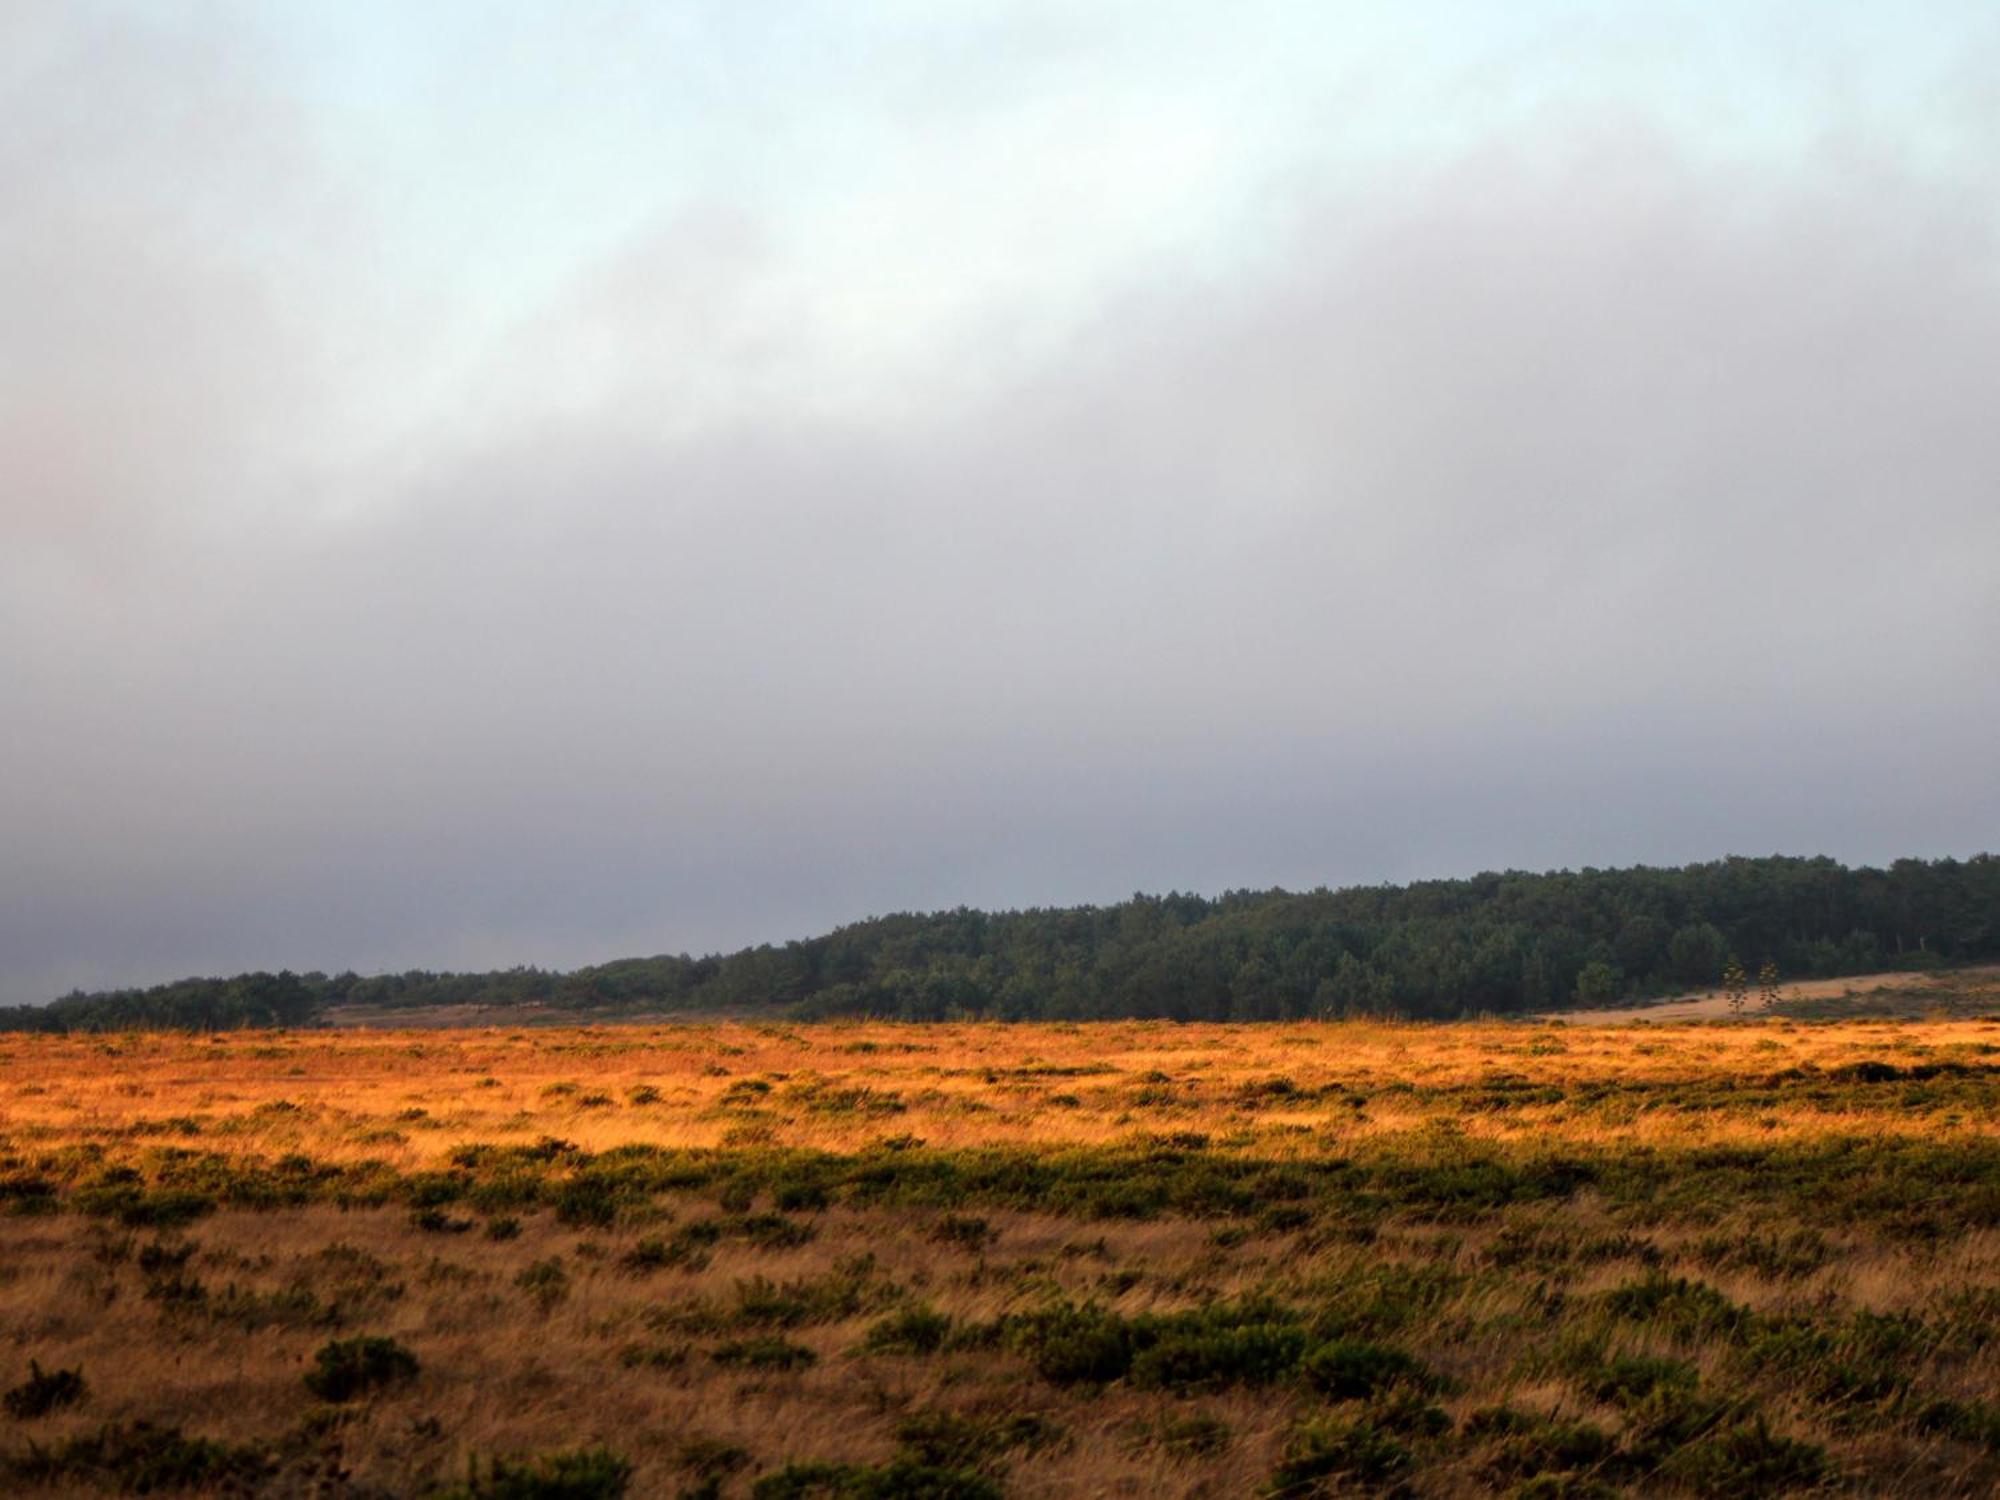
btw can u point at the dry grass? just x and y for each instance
(408, 1098)
(1472, 1197)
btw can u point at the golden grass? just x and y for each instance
(408, 1098)
(505, 1371)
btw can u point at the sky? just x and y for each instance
(504, 483)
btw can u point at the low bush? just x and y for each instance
(917, 1329)
(767, 1353)
(44, 1391)
(899, 1479)
(964, 1231)
(1070, 1343)
(1746, 1462)
(1323, 1452)
(545, 1281)
(961, 1440)
(581, 1474)
(1218, 1347)
(139, 1458)
(347, 1368)
(1520, 1445)
(1354, 1369)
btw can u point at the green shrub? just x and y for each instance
(1669, 1417)
(590, 1202)
(581, 1474)
(957, 1440)
(44, 1391)
(545, 1281)
(1629, 1378)
(1354, 1369)
(1208, 1352)
(142, 1459)
(1867, 1358)
(708, 1457)
(1685, 1309)
(851, 1288)
(1323, 1452)
(766, 1353)
(1747, 1461)
(1071, 1343)
(801, 1197)
(1795, 1253)
(1525, 1445)
(161, 1259)
(918, 1329)
(1967, 1421)
(899, 1479)
(965, 1231)
(347, 1368)
(1197, 1436)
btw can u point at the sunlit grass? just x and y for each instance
(1045, 1260)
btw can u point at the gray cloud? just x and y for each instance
(1566, 501)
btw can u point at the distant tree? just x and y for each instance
(1534, 981)
(1641, 943)
(1494, 943)
(1767, 983)
(1697, 953)
(1735, 984)
(1597, 983)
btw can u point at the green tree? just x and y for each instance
(1597, 983)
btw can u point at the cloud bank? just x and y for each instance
(1567, 493)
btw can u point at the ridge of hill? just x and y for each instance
(1497, 943)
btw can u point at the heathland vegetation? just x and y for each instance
(1494, 944)
(767, 1261)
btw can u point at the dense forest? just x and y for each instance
(1493, 944)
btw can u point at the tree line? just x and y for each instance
(1497, 943)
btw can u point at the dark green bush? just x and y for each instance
(918, 1329)
(1628, 1378)
(1353, 1369)
(1323, 1452)
(767, 1353)
(900, 1479)
(1207, 1351)
(965, 1231)
(958, 1440)
(1197, 1436)
(1685, 1309)
(347, 1368)
(545, 1281)
(142, 1459)
(1746, 1462)
(1525, 1445)
(707, 1456)
(1071, 1343)
(582, 1474)
(44, 1391)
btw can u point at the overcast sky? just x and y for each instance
(487, 483)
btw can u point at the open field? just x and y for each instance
(1973, 990)
(1121, 1258)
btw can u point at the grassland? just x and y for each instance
(1122, 1258)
